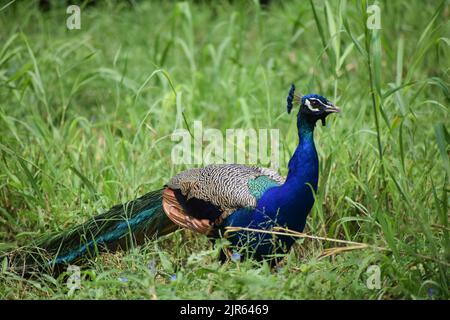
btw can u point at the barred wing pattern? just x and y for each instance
(200, 198)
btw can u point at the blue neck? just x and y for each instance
(292, 201)
(304, 164)
(287, 205)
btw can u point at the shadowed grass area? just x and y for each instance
(86, 117)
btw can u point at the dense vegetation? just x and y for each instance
(86, 117)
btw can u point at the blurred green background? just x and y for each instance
(86, 117)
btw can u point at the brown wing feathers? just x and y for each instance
(177, 214)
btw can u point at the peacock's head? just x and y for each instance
(312, 106)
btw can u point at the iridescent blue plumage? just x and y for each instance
(289, 204)
(286, 205)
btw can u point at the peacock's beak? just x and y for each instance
(332, 109)
(329, 109)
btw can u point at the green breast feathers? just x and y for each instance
(228, 186)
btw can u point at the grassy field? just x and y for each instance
(86, 117)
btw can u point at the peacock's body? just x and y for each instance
(205, 200)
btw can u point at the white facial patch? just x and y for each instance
(308, 104)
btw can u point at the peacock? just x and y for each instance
(205, 200)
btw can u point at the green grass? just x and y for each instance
(86, 118)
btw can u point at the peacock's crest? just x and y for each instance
(292, 97)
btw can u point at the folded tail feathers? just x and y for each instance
(119, 228)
